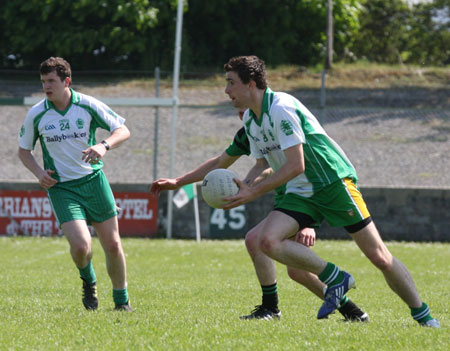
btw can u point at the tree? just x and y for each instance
(89, 33)
(383, 31)
(280, 32)
(140, 34)
(429, 34)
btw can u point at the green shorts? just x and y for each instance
(89, 198)
(340, 204)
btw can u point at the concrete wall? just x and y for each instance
(406, 214)
(402, 214)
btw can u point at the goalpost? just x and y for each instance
(176, 75)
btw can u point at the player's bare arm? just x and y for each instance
(221, 161)
(294, 166)
(96, 152)
(44, 176)
(259, 175)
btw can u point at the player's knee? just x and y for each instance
(251, 240)
(113, 248)
(268, 244)
(292, 273)
(81, 250)
(297, 275)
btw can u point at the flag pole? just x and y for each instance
(197, 219)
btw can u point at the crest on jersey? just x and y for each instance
(80, 123)
(112, 113)
(286, 127)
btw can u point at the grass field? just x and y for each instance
(188, 296)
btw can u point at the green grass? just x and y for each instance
(188, 296)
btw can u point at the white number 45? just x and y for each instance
(234, 218)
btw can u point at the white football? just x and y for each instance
(218, 184)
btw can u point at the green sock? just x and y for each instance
(343, 301)
(331, 275)
(120, 296)
(88, 274)
(421, 314)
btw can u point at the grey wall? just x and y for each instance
(406, 214)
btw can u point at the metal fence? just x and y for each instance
(394, 137)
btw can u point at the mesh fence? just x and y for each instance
(388, 147)
(402, 146)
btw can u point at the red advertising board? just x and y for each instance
(29, 213)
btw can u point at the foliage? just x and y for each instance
(188, 296)
(90, 34)
(394, 32)
(140, 34)
(383, 28)
(429, 34)
(281, 32)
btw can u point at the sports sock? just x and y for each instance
(270, 297)
(120, 296)
(343, 301)
(88, 274)
(331, 275)
(421, 314)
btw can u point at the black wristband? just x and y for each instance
(105, 144)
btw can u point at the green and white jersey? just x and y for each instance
(65, 134)
(286, 122)
(240, 145)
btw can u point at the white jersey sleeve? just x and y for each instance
(101, 113)
(28, 133)
(287, 124)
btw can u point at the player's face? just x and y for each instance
(53, 86)
(238, 92)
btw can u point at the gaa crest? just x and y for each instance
(286, 127)
(80, 123)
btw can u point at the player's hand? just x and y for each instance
(45, 179)
(162, 184)
(94, 154)
(244, 195)
(306, 236)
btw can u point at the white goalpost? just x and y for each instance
(176, 75)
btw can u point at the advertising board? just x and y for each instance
(29, 212)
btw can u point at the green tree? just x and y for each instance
(281, 32)
(383, 31)
(89, 33)
(429, 34)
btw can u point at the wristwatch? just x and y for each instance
(105, 144)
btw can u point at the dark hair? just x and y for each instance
(248, 68)
(57, 64)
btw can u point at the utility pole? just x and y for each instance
(329, 57)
